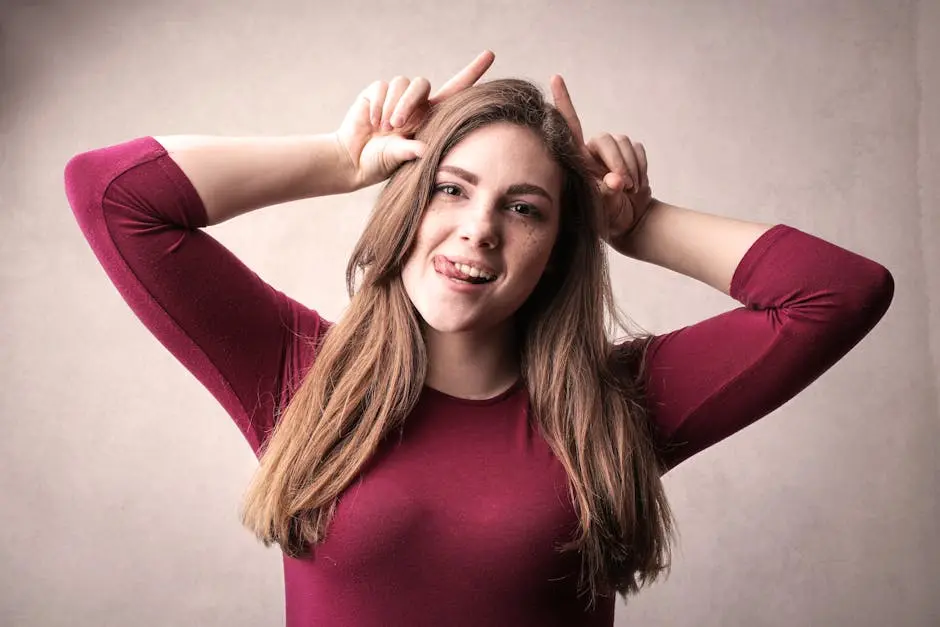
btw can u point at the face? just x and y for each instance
(487, 234)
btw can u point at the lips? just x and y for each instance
(461, 270)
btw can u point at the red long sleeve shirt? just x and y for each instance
(456, 522)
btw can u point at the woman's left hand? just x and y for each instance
(618, 166)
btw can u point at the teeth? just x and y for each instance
(473, 272)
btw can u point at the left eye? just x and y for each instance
(523, 208)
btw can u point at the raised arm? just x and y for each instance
(142, 206)
(234, 175)
(806, 302)
(143, 219)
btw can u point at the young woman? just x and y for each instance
(467, 445)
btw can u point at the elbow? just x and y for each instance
(88, 174)
(82, 167)
(873, 298)
(75, 172)
(79, 180)
(78, 166)
(881, 292)
(82, 178)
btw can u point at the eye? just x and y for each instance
(524, 209)
(448, 189)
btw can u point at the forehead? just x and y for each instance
(502, 154)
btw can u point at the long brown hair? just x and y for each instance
(588, 406)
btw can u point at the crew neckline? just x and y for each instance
(510, 391)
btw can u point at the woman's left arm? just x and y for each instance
(699, 245)
(806, 302)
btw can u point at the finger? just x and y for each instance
(605, 149)
(399, 150)
(396, 88)
(416, 94)
(642, 163)
(376, 96)
(612, 199)
(358, 114)
(465, 77)
(612, 183)
(564, 105)
(625, 146)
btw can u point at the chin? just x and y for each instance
(443, 323)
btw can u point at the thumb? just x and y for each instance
(611, 184)
(398, 150)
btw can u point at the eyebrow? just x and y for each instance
(518, 189)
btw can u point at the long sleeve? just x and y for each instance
(806, 303)
(243, 340)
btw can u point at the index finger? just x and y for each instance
(565, 107)
(465, 77)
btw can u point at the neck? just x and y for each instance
(472, 364)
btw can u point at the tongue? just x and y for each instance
(449, 270)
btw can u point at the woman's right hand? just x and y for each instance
(376, 132)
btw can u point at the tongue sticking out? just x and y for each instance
(450, 271)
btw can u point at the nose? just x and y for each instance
(480, 225)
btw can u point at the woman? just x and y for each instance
(466, 445)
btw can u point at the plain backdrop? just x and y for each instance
(121, 476)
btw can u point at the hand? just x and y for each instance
(376, 132)
(618, 166)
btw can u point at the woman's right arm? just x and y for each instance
(144, 217)
(234, 175)
(142, 206)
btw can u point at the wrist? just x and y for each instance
(628, 243)
(330, 169)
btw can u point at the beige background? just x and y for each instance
(121, 476)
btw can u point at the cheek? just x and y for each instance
(417, 259)
(411, 270)
(535, 251)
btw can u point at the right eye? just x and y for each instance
(448, 189)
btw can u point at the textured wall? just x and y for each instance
(121, 476)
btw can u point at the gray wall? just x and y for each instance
(121, 476)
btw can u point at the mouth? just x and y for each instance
(471, 273)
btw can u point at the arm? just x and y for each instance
(234, 175)
(699, 245)
(236, 334)
(806, 303)
(143, 211)
(142, 206)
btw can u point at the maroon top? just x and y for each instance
(456, 523)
